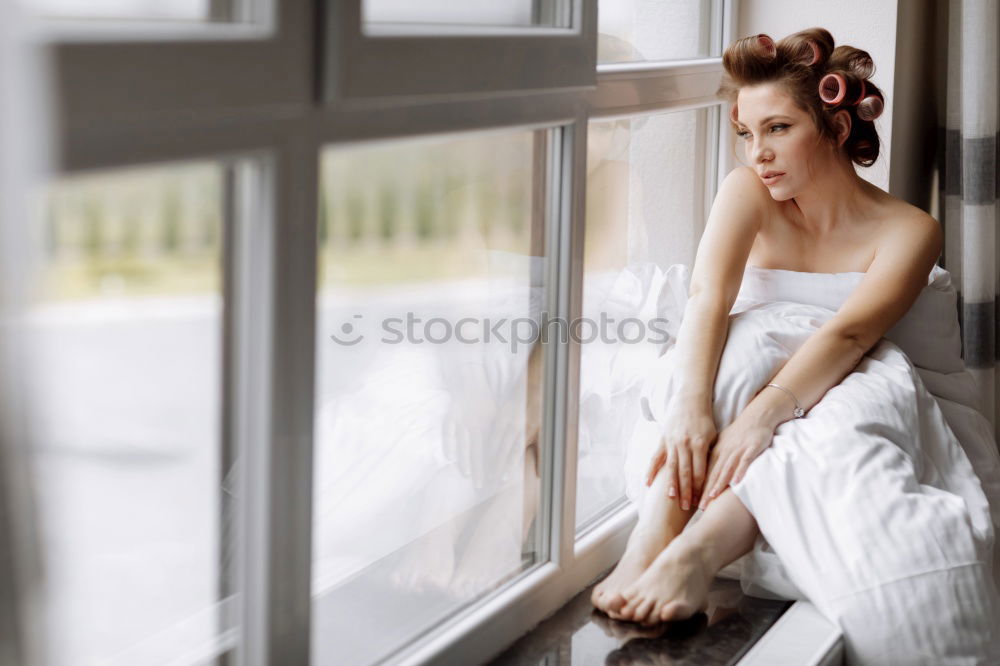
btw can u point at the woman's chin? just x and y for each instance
(780, 194)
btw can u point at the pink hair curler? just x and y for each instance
(832, 88)
(767, 45)
(816, 54)
(864, 89)
(732, 113)
(871, 107)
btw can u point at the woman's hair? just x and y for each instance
(819, 78)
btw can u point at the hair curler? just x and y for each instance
(832, 88)
(870, 107)
(809, 56)
(864, 89)
(766, 44)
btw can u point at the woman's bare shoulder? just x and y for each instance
(903, 220)
(898, 214)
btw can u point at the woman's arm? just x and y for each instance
(698, 349)
(821, 363)
(739, 210)
(892, 284)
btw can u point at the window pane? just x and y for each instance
(189, 10)
(472, 12)
(125, 329)
(641, 30)
(645, 178)
(426, 486)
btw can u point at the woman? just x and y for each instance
(799, 213)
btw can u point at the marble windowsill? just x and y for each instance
(736, 629)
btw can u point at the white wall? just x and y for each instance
(865, 24)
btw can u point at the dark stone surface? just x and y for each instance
(578, 634)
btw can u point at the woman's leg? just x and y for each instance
(675, 586)
(661, 518)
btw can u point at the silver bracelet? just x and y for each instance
(798, 411)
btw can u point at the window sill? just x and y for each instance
(800, 636)
(736, 629)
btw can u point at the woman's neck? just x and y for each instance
(836, 196)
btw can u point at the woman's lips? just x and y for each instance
(772, 179)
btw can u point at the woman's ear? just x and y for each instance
(842, 124)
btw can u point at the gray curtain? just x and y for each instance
(967, 168)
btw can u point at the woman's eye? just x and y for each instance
(745, 134)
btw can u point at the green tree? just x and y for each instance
(355, 216)
(93, 229)
(388, 212)
(323, 222)
(171, 218)
(130, 235)
(425, 212)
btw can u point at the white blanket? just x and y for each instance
(880, 504)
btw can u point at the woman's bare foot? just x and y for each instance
(674, 587)
(643, 547)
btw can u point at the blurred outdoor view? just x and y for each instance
(147, 232)
(425, 487)
(125, 339)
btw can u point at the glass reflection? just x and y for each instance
(427, 423)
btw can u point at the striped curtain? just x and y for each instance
(968, 178)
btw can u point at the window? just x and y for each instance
(647, 30)
(507, 13)
(641, 173)
(125, 331)
(454, 165)
(191, 10)
(426, 479)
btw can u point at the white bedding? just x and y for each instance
(880, 504)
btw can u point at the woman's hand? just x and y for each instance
(683, 450)
(739, 444)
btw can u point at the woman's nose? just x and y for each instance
(761, 151)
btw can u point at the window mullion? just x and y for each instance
(274, 340)
(252, 305)
(293, 348)
(566, 256)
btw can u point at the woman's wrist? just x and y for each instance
(691, 400)
(769, 408)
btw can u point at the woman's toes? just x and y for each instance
(655, 612)
(675, 610)
(615, 603)
(642, 611)
(628, 609)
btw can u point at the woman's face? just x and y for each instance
(778, 137)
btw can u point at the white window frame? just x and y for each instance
(385, 61)
(263, 92)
